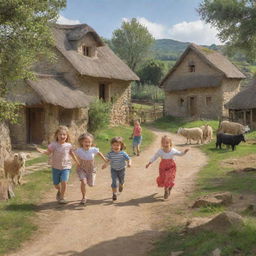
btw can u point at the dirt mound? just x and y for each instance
(241, 163)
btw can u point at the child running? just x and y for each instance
(167, 167)
(61, 150)
(117, 158)
(87, 171)
(137, 138)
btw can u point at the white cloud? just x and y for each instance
(66, 21)
(195, 31)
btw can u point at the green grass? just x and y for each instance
(17, 216)
(213, 178)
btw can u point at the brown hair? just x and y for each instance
(62, 128)
(166, 137)
(118, 140)
(83, 136)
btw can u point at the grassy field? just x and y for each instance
(214, 178)
(17, 216)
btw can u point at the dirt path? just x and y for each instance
(127, 227)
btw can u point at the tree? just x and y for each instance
(152, 72)
(236, 22)
(132, 42)
(24, 36)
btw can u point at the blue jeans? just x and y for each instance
(60, 175)
(136, 141)
(117, 175)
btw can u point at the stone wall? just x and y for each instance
(211, 110)
(5, 145)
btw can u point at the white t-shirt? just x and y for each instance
(169, 155)
(87, 154)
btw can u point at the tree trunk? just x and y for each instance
(6, 190)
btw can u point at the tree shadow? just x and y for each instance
(133, 245)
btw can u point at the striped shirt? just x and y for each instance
(118, 160)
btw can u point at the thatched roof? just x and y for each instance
(105, 65)
(213, 59)
(245, 99)
(57, 91)
(193, 81)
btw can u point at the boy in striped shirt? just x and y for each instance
(117, 159)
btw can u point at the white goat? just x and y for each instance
(207, 133)
(232, 128)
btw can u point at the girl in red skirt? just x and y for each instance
(167, 167)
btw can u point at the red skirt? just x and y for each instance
(167, 172)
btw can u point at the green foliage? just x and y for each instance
(8, 111)
(99, 115)
(132, 42)
(147, 93)
(152, 72)
(235, 21)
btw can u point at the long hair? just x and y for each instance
(83, 136)
(118, 140)
(62, 128)
(168, 138)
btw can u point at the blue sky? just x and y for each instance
(176, 19)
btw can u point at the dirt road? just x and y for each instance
(102, 228)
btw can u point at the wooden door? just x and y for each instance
(102, 92)
(192, 106)
(35, 117)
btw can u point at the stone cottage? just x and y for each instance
(242, 107)
(199, 85)
(85, 70)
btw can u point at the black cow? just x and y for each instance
(228, 139)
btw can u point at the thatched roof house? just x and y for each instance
(242, 107)
(86, 69)
(200, 83)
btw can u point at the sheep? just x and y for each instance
(228, 139)
(207, 133)
(232, 128)
(14, 166)
(192, 134)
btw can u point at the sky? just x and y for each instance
(173, 19)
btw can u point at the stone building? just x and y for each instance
(199, 85)
(242, 107)
(86, 69)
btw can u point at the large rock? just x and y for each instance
(215, 199)
(221, 223)
(5, 145)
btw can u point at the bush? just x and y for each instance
(99, 115)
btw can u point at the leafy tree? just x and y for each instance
(24, 36)
(152, 72)
(132, 42)
(236, 22)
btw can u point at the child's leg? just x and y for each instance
(83, 188)
(64, 180)
(121, 176)
(114, 184)
(63, 189)
(56, 181)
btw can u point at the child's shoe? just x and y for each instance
(83, 201)
(58, 196)
(114, 197)
(166, 193)
(63, 201)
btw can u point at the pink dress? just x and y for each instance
(167, 167)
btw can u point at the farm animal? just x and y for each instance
(195, 133)
(14, 166)
(232, 128)
(207, 133)
(228, 139)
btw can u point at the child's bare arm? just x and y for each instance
(73, 155)
(105, 164)
(102, 157)
(43, 151)
(148, 164)
(129, 163)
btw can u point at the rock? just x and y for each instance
(249, 169)
(215, 199)
(177, 253)
(221, 223)
(216, 252)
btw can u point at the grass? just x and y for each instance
(17, 216)
(213, 178)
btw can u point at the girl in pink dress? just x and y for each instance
(167, 167)
(137, 138)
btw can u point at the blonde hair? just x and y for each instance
(83, 136)
(62, 128)
(118, 140)
(168, 138)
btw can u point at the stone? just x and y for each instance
(177, 253)
(215, 199)
(216, 252)
(220, 223)
(249, 169)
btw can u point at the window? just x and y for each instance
(87, 51)
(208, 100)
(102, 92)
(192, 68)
(181, 102)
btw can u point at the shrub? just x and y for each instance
(99, 115)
